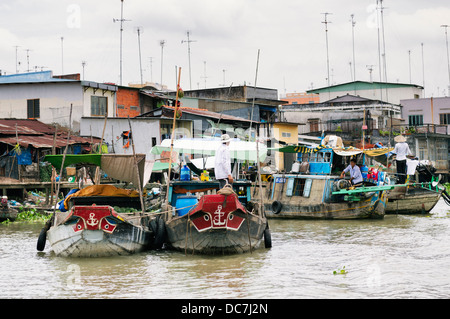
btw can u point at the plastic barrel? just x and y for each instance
(185, 203)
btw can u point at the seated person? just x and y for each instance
(355, 173)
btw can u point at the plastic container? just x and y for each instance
(185, 203)
(185, 174)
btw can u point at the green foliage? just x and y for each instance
(340, 271)
(31, 215)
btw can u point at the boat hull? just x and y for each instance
(8, 214)
(219, 230)
(370, 208)
(413, 203)
(100, 235)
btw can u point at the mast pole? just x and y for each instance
(169, 215)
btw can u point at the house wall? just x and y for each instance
(145, 131)
(90, 91)
(287, 133)
(429, 108)
(54, 99)
(127, 102)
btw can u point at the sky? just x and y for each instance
(227, 36)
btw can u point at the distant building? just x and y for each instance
(382, 91)
(344, 114)
(48, 98)
(301, 98)
(428, 111)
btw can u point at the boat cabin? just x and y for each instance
(183, 195)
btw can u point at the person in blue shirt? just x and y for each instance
(355, 172)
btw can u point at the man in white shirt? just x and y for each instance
(401, 150)
(355, 172)
(222, 167)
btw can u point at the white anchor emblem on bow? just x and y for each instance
(92, 221)
(218, 215)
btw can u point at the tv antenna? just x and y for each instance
(188, 41)
(326, 37)
(121, 20)
(139, 30)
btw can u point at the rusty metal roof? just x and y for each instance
(37, 134)
(24, 126)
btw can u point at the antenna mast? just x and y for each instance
(445, 26)
(326, 37)
(121, 30)
(189, 56)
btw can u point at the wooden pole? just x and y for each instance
(169, 215)
(137, 168)
(62, 162)
(97, 169)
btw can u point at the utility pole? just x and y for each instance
(326, 38)
(423, 71)
(162, 43)
(445, 26)
(83, 64)
(62, 55)
(189, 56)
(28, 60)
(205, 77)
(121, 30)
(139, 30)
(17, 63)
(409, 59)
(370, 68)
(151, 68)
(353, 44)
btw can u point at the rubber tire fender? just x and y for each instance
(160, 233)
(267, 237)
(276, 207)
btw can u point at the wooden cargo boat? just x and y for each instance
(90, 226)
(412, 200)
(314, 192)
(226, 223)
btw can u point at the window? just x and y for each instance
(415, 120)
(33, 109)
(284, 134)
(444, 118)
(99, 105)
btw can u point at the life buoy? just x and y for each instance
(276, 207)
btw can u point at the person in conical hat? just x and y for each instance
(402, 151)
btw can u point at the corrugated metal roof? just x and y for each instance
(24, 126)
(44, 141)
(36, 134)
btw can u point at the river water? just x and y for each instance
(401, 256)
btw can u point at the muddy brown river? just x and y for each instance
(401, 256)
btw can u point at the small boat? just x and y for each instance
(6, 212)
(313, 191)
(89, 224)
(414, 199)
(227, 222)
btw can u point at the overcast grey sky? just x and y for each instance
(228, 34)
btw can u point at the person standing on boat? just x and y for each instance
(402, 151)
(355, 172)
(222, 167)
